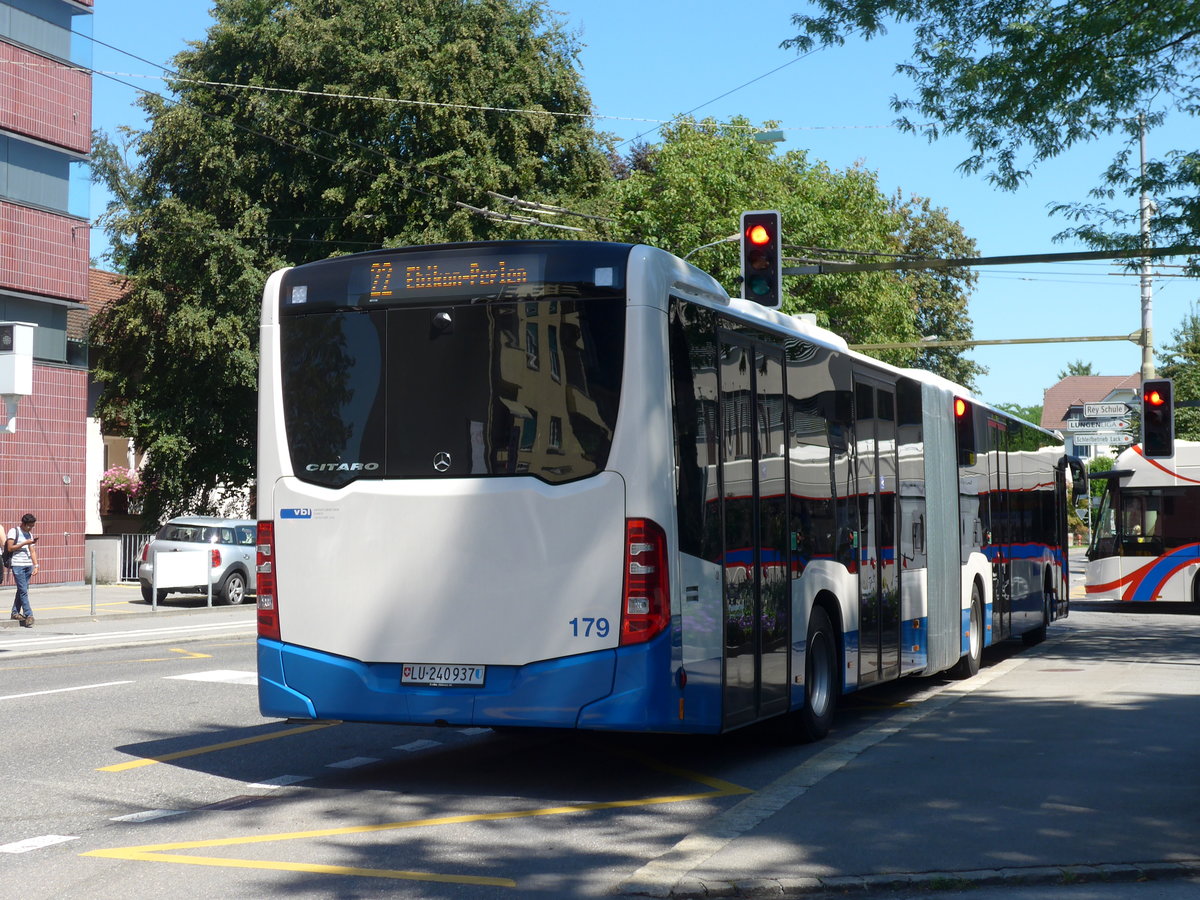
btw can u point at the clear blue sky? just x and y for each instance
(654, 60)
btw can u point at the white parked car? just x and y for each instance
(231, 545)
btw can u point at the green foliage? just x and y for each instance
(1098, 464)
(1028, 413)
(689, 191)
(1180, 361)
(1025, 80)
(939, 295)
(1078, 367)
(230, 184)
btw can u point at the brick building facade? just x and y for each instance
(45, 136)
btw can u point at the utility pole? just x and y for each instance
(1147, 340)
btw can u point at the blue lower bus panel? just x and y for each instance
(607, 689)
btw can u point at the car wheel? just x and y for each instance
(148, 594)
(233, 589)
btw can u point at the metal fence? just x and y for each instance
(131, 554)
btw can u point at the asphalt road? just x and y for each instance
(139, 767)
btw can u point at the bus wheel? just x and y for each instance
(821, 672)
(969, 664)
(1037, 635)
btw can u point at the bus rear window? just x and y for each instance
(529, 387)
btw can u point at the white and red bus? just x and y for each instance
(1146, 531)
(572, 484)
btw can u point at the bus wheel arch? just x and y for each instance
(822, 671)
(968, 663)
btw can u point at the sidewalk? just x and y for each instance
(1065, 763)
(65, 604)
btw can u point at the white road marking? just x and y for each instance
(224, 676)
(24, 643)
(474, 731)
(280, 781)
(352, 763)
(148, 815)
(82, 687)
(418, 745)
(36, 843)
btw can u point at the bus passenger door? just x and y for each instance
(756, 554)
(877, 471)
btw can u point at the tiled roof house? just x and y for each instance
(1063, 402)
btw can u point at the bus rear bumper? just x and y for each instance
(620, 690)
(298, 683)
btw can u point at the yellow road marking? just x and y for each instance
(87, 606)
(159, 852)
(188, 654)
(227, 745)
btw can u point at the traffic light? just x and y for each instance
(762, 258)
(1158, 418)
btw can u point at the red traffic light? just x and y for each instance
(1158, 418)
(758, 234)
(762, 259)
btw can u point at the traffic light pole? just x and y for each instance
(1145, 209)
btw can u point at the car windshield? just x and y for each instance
(204, 534)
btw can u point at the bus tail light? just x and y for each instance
(268, 612)
(645, 601)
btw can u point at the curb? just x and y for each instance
(47, 621)
(816, 886)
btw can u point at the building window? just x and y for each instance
(552, 347)
(529, 430)
(41, 176)
(531, 345)
(49, 27)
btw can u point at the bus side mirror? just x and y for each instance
(1079, 479)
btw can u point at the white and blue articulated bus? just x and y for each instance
(571, 484)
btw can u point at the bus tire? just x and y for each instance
(821, 685)
(1035, 636)
(968, 665)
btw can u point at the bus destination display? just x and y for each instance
(442, 276)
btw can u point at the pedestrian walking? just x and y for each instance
(20, 543)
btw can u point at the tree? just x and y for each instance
(1025, 80)
(688, 192)
(380, 118)
(1028, 413)
(1078, 367)
(1180, 361)
(939, 295)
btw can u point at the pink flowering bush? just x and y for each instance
(123, 481)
